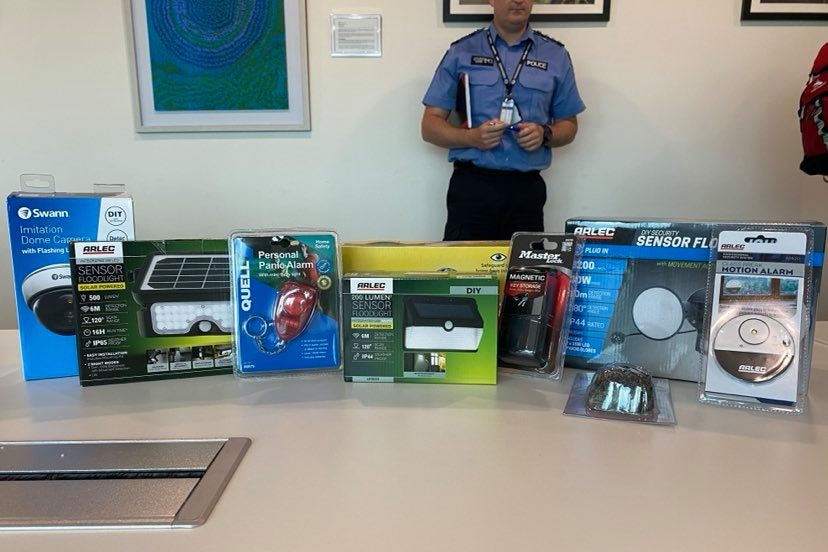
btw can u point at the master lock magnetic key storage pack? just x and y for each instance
(285, 289)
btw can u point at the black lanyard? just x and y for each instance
(510, 83)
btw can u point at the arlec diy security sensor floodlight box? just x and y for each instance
(420, 327)
(641, 292)
(42, 223)
(152, 309)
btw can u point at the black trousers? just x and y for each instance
(487, 204)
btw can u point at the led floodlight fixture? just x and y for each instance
(441, 323)
(184, 294)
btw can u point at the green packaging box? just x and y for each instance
(427, 327)
(149, 310)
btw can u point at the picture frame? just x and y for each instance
(784, 10)
(240, 69)
(543, 10)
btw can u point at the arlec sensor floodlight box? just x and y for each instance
(641, 292)
(152, 309)
(420, 327)
(42, 223)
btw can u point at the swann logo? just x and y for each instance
(98, 249)
(760, 239)
(604, 233)
(244, 287)
(61, 277)
(554, 258)
(25, 213)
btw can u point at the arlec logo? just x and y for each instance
(98, 249)
(371, 286)
(602, 233)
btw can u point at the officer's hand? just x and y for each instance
(530, 136)
(487, 135)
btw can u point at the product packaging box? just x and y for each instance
(467, 257)
(286, 301)
(420, 327)
(641, 292)
(152, 309)
(42, 223)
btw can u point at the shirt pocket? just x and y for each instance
(486, 91)
(539, 89)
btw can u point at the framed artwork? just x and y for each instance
(543, 10)
(784, 10)
(223, 65)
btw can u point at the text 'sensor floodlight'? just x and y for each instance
(442, 323)
(184, 294)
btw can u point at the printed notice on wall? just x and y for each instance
(356, 35)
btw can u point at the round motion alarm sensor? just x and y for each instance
(658, 313)
(754, 347)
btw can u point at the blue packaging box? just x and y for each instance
(41, 227)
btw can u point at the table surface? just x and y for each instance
(337, 466)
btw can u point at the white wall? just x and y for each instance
(690, 114)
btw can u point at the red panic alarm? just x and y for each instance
(294, 309)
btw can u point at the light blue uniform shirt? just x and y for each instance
(545, 92)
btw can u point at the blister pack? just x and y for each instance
(286, 293)
(758, 318)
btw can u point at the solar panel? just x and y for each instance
(197, 271)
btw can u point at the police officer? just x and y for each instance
(524, 101)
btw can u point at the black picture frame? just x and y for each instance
(597, 12)
(751, 11)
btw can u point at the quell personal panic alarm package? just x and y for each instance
(286, 293)
(536, 307)
(42, 224)
(759, 336)
(151, 309)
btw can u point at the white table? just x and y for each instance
(337, 466)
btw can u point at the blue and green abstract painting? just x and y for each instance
(216, 55)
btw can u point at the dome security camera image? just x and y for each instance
(48, 292)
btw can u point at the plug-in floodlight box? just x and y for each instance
(641, 293)
(420, 327)
(184, 294)
(145, 307)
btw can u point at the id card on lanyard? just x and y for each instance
(509, 112)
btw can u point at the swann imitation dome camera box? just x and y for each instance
(152, 309)
(42, 223)
(420, 327)
(641, 291)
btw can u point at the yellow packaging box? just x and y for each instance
(470, 257)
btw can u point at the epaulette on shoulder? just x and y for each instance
(549, 38)
(468, 36)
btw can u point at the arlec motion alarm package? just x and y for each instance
(151, 309)
(285, 289)
(641, 293)
(42, 223)
(420, 327)
(759, 339)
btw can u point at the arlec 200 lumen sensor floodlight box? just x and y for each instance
(152, 309)
(420, 327)
(42, 223)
